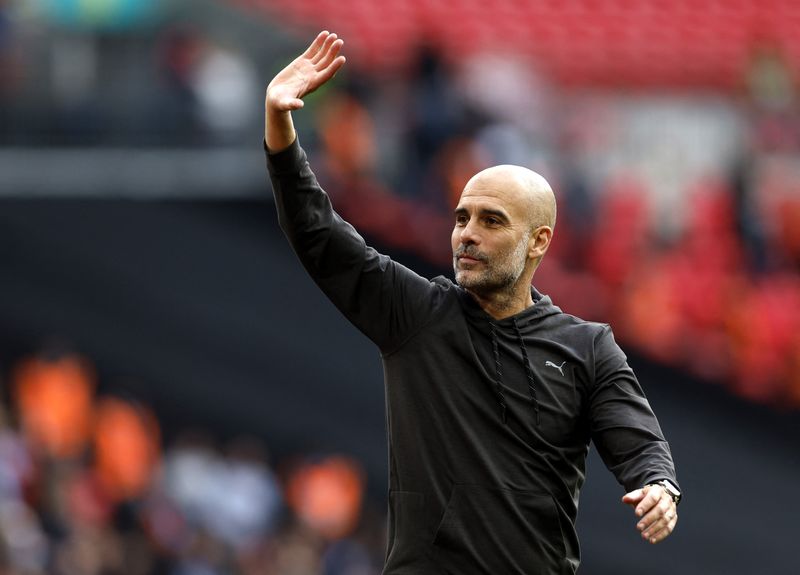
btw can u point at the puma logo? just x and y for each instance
(554, 366)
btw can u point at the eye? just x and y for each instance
(461, 219)
(492, 221)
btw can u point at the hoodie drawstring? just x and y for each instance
(498, 372)
(528, 372)
(498, 369)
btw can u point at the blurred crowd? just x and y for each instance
(679, 223)
(678, 215)
(88, 486)
(80, 84)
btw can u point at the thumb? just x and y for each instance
(295, 104)
(284, 104)
(634, 497)
(290, 104)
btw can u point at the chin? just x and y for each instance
(463, 278)
(469, 283)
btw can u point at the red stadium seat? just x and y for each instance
(607, 42)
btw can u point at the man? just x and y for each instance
(493, 394)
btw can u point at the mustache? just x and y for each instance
(470, 251)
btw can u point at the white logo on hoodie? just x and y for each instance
(554, 366)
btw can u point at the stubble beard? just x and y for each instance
(496, 275)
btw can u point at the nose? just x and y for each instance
(469, 234)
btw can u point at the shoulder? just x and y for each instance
(573, 328)
(445, 291)
(591, 341)
(445, 284)
(593, 346)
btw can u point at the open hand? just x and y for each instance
(306, 73)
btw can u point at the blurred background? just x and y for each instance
(177, 397)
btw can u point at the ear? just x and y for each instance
(539, 242)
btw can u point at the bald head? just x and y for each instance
(519, 188)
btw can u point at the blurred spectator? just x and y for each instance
(769, 79)
(748, 217)
(326, 495)
(23, 545)
(248, 500)
(117, 505)
(74, 64)
(189, 477)
(126, 448)
(435, 113)
(347, 134)
(788, 224)
(178, 51)
(456, 162)
(10, 65)
(16, 463)
(350, 171)
(227, 92)
(54, 397)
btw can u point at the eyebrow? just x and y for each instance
(483, 212)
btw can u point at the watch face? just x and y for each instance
(671, 489)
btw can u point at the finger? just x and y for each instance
(660, 510)
(330, 55)
(315, 46)
(331, 70)
(649, 528)
(651, 498)
(658, 535)
(326, 46)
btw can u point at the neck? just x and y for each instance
(504, 304)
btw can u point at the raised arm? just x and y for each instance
(385, 300)
(318, 64)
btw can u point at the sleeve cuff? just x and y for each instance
(286, 161)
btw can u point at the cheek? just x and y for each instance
(512, 255)
(455, 238)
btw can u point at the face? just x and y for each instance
(491, 238)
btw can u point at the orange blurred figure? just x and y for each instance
(126, 441)
(54, 399)
(327, 496)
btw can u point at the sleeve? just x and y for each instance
(383, 299)
(624, 428)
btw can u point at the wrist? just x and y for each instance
(670, 489)
(279, 132)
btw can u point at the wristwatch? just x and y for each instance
(671, 490)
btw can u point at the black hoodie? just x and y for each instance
(489, 420)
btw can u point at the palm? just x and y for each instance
(312, 69)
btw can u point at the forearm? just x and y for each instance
(624, 428)
(367, 287)
(305, 213)
(635, 457)
(385, 300)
